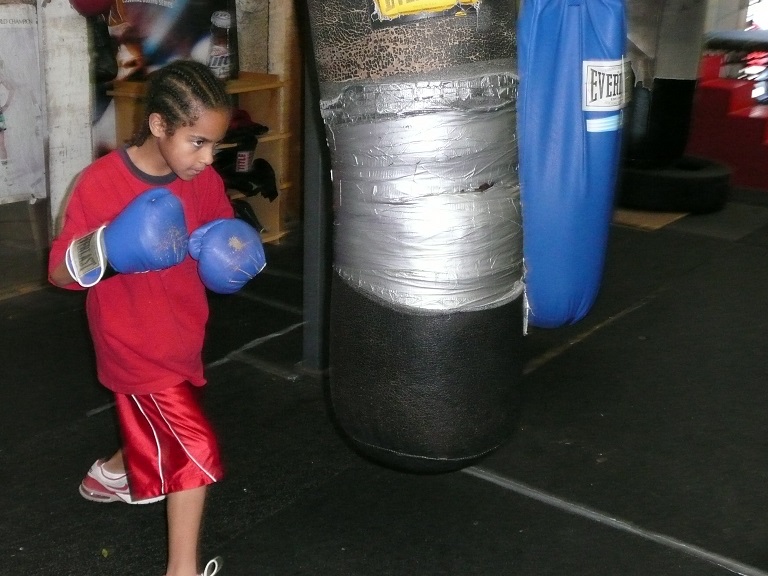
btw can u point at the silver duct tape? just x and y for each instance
(435, 253)
(443, 152)
(426, 198)
(376, 101)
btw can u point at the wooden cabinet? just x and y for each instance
(264, 97)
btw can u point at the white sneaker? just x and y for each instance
(213, 567)
(100, 485)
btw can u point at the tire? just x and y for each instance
(690, 184)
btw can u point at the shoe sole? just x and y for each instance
(107, 498)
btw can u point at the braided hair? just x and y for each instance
(179, 91)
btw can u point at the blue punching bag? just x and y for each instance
(572, 91)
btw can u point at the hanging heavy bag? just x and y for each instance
(572, 90)
(426, 296)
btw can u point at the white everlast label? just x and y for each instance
(86, 258)
(85, 255)
(604, 85)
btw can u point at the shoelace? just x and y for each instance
(213, 566)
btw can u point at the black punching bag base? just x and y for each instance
(423, 393)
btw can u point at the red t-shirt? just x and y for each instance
(147, 328)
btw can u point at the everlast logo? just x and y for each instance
(603, 86)
(86, 261)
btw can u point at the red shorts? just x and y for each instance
(168, 443)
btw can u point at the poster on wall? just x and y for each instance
(147, 34)
(22, 159)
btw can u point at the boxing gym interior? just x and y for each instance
(632, 439)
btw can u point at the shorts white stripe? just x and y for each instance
(189, 455)
(159, 458)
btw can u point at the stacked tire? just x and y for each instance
(656, 174)
(688, 184)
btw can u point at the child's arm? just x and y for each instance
(60, 276)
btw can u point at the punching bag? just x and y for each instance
(572, 91)
(418, 101)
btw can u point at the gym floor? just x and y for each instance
(642, 444)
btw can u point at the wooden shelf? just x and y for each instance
(271, 136)
(254, 81)
(246, 82)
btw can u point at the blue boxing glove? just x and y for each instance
(149, 234)
(228, 253)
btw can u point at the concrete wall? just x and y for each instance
(64, 61)
(665, 36)
(726, 15)
(680, 32)
(253, 33)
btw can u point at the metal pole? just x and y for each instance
(317, 248)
